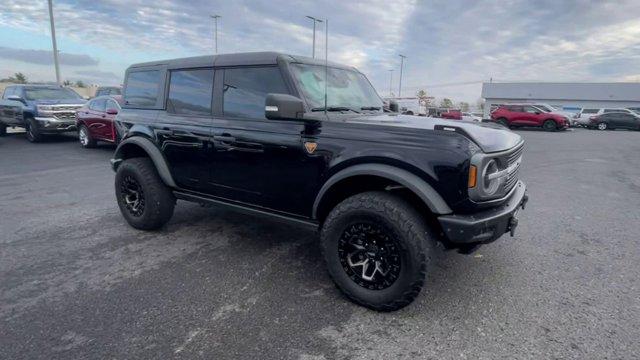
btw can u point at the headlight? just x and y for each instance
(491, 178)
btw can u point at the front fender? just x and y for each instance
(135, 144)
(411, 181)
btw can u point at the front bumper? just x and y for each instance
(54, 125)
(488, 225)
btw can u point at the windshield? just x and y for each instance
(545, 108)
(50, 94)
(345, 88)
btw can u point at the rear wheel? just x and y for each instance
(144, 200)
(3, 129)
(602, 126)
(85, 137)
(33, 133)
(550, 125)
(377, 249)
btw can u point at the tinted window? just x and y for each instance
(44, 93)
(142, 88)
(590, 111)
(190, 91)
(531, 109)
(245, 90)
(611, 110)
(98, 105)
(112, 105)
(8, 92)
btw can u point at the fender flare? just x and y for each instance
(154, 154)
(403, 177)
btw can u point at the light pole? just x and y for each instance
(313, 52)
(53, 40)
(390, 82)
(215, 20)
(402, 57)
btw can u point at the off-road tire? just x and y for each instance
(33, 134)
(159, 201)
(3, 129)
(415, 242)
(89, 141)
(549, 125)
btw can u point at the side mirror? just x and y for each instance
(112, 111)
(283, 107)
(16, 98)
(393, 106)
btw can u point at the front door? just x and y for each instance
(257, 161)
(184, 130)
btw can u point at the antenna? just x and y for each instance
(326, 62)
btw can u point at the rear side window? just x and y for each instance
(142, 88)
(190, 92)
(245, 90)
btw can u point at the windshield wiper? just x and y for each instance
(335, 108)
(370, 108)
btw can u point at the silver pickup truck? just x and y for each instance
(39, 109)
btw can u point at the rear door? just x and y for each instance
(532, 116)
(626, 121)
(184, 129)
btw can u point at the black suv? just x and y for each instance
(251, 131)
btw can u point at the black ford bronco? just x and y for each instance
(301, 140)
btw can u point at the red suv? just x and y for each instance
(529, 115)
(95, 120)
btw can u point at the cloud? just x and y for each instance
(45, 57)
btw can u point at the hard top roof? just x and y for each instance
(236, 59)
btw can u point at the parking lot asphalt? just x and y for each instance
(76, 282)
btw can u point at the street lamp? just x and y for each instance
(313, 52)
(402, 57)
(390, 81)
(53, 40)
(215, 19)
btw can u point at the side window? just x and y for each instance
(530, 109)
(245, 90)
(111, 105)
(98, 105)
(142, 88)
(8, 92)
(190, 92)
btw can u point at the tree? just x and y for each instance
(446, 103)
(464, 106)
(423, 98)
(80, 84)
(18, 78)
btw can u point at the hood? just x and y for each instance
(489, 137)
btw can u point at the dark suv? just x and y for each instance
(255, 132)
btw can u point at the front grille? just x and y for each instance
(65, 115)
(513, 163)
(66, 107)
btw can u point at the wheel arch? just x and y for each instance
(138, 146)
(333, 190)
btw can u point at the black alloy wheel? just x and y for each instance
(369, 255)
(132, 196)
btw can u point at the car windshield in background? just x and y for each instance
(50, 94)
(346, 89)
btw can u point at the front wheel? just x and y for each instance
(377, 248)
(549, 125)
(86, 140)
(602, 126)
(144, 200)
(33, 134)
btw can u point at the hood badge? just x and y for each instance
(310, 146)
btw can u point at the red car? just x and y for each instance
(95, 120)
(529, 115)
(452, 115)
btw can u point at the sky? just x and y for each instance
(451, 46)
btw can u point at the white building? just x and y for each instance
(563, 96)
